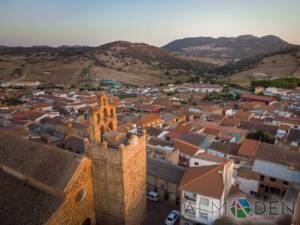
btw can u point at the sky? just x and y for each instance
(156, 22)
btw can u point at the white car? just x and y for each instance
(172, 217)
(153, 196)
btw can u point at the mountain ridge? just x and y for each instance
(225, 49)
(142, 64)
(133, 63)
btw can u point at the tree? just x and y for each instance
(13, 102)
(261, 136)
(178, 82)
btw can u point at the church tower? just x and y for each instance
(103, 118)
(119, 169)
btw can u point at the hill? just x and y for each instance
(282, 64)
(224, 50)
(132, 63)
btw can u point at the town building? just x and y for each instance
(149, 120)
(44, 185)
(257, 98)
(103, 184)
(164, 178)
(203, 193)
(278, 169)
(163, 150)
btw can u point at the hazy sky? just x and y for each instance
(95, 22)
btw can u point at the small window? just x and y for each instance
(80, 195)
(285, 183)
(266, 189)
(204, 216)
(273, 179)
(204, 201)
(190, 196)
(98, 118)
(105, 114)
(262, 177)
(110, 126)
(196, 163)
(111, 112)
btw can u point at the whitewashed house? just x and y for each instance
(204, 191)
(247, 181)
(278, 167)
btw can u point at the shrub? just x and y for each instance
(261, 136)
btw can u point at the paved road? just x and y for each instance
(157, 212)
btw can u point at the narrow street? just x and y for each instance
(157, 212)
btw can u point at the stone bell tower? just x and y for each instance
(103, 118)
(119, 169)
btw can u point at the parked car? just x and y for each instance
(153, 196)
(172, 217)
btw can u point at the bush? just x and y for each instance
(261, 136)
(13, 102)
(178, 82)
(289, 83)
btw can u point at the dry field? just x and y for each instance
(283, 65)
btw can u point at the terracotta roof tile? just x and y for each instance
(277, 154)
(209, 157)
(186, 147)
(230, 122)
(204, 180)
(212, 131)
(248, 148)
(49, 165)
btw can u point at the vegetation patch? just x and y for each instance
(261, 136)
(12, 102)
(289, 83)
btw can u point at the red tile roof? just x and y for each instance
(252, 97)
(185, 147)
(204, 180)
(249, 148)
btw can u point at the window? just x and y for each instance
(204, 201)
(274, 191)
(80, 195)
(262, 177)
(285, 183)
(111, 112)
(105, 114)
(204, 216)
(266, 189)
(196, 164)
(110, 126)
(273, 179)
(190, 196)
(98, 118)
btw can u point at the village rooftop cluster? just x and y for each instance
(203, 150)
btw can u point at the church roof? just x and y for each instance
(48, 165)
(21, 203)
